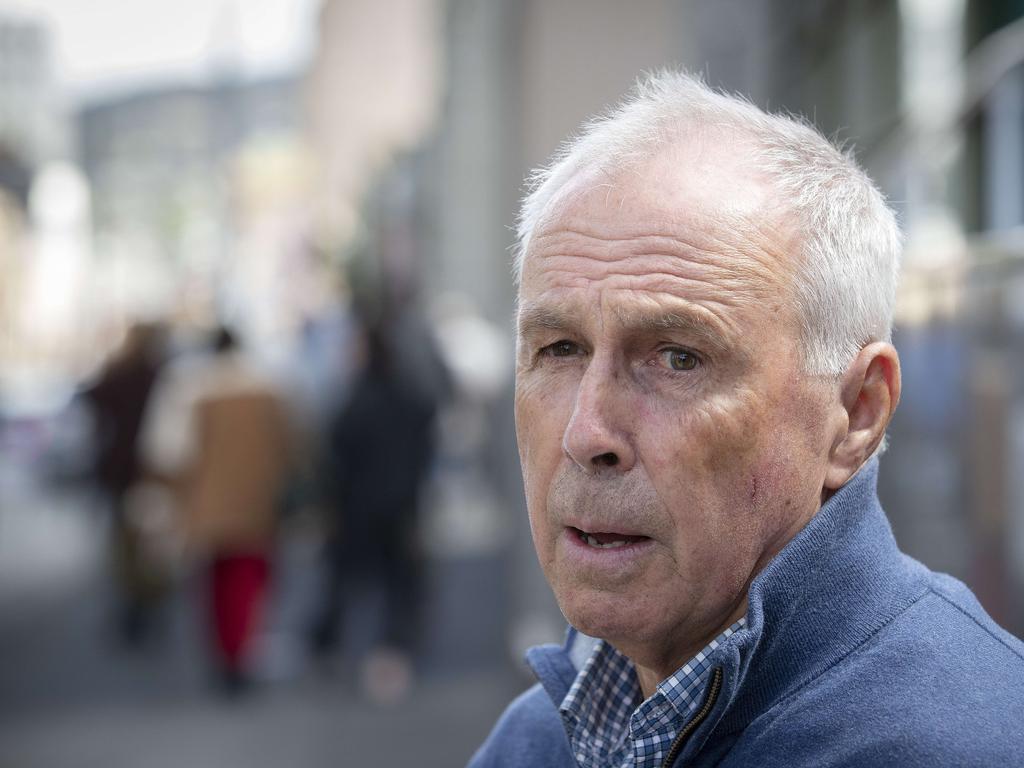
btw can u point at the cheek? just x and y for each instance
(539, 429)
(764, 461)
(544, 404)
(715, 439)
(723, 468)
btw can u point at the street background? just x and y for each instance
(306, 170)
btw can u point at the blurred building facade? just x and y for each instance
(34, 135)
(144, 151)
(29, 127)
(164, 169)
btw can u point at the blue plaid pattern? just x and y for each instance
(609, 726)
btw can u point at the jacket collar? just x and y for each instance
(832, 586)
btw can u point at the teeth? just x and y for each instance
(595, 543)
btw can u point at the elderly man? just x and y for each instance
(704, 379)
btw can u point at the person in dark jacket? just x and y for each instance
(379, 449)
(704, 381)
(118, 399)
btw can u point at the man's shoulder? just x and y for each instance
(529, 733)
(942, 655)
(947, 635)
(962, 608)
(938, 685)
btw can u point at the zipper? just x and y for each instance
(700, 717)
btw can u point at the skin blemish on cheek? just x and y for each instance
(766, 483)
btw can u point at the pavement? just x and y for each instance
(71, 696)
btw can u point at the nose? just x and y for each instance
(597, 436)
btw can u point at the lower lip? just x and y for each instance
(604, 557)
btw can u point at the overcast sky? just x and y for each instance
(100, 44)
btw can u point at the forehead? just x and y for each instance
(695, 223)
(701, 172)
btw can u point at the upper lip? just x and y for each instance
(598, 526)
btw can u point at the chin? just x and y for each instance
(611, 617)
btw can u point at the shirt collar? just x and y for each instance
(608, 723)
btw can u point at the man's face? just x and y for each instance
(670, 445)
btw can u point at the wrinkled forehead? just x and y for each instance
(700, 175)
(695, 190)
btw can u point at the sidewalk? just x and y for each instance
(296, 727)
(70, 697)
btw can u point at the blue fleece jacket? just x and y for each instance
(854, 655)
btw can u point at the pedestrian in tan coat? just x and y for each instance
(219, 435)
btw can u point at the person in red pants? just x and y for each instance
(238, 585)
(220, 432)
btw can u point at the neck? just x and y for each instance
(650, 674)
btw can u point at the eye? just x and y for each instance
(679, 359)
(561, 348)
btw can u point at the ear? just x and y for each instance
(869, 392)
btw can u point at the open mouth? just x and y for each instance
(606, 539)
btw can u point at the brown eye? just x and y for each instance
(562, 349)
(679, 359)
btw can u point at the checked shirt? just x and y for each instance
(609, 726)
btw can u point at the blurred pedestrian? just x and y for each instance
(219, 436)
(379, 448)
(117, 399)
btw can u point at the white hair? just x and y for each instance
(848, 265)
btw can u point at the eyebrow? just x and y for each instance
(537, 317)
(691, 323)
